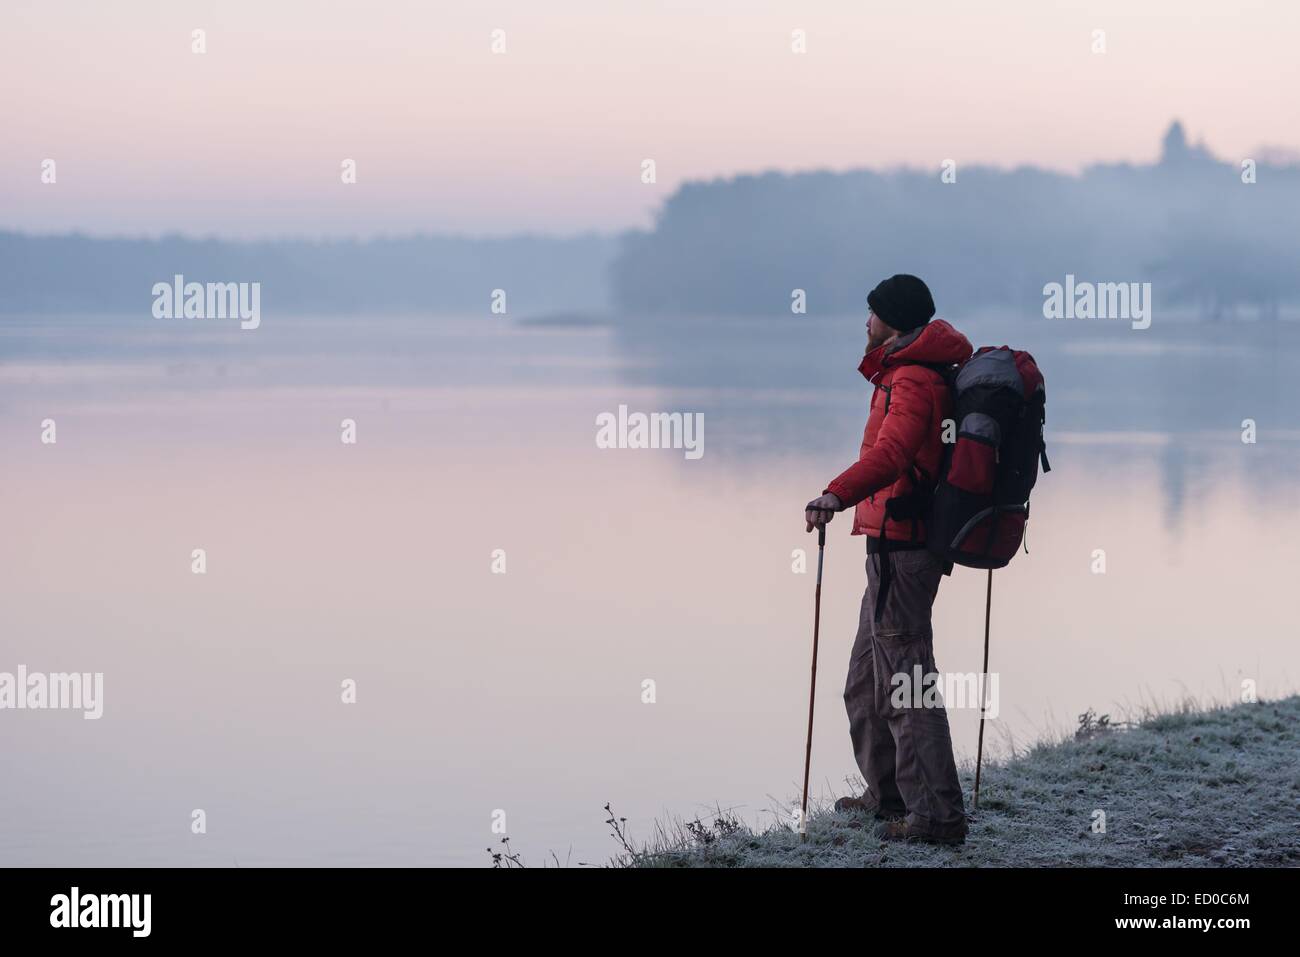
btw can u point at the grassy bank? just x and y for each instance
(1194, 788)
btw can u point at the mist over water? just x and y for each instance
(522, 691)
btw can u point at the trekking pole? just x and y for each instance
(984, 685)
(812, 690)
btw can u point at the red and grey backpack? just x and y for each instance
(980, 506)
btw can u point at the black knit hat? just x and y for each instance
(903, 302)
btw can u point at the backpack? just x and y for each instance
(978, 511)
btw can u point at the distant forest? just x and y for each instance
(1207, 241)
(429, 274)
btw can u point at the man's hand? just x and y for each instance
(821, 510)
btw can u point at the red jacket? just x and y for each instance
(910, 433)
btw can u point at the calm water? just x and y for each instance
(522, 691)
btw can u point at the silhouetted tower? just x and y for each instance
(1176, 152)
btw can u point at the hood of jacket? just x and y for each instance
(935, 342)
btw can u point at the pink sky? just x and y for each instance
(247, 139)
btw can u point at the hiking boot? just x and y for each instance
(902, 831)
(866, 805)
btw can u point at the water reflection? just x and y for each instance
(522, 691)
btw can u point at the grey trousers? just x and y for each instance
(904, 753)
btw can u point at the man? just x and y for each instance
(904, 753)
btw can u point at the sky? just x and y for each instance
(248, 138)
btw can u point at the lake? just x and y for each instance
(499, 590)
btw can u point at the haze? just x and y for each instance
(247, 139)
